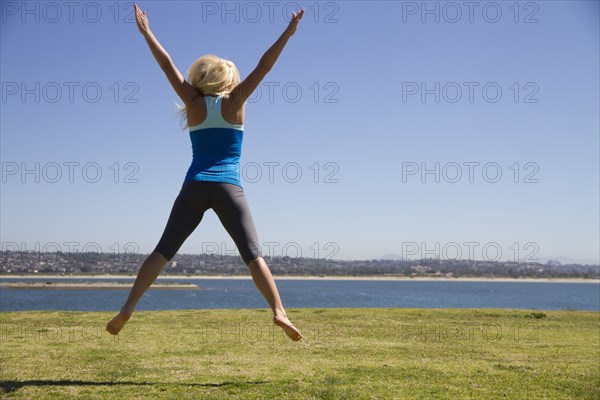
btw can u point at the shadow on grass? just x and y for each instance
(11, 386)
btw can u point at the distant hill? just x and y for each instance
(214, 264)
(541, 260)
(569, 260)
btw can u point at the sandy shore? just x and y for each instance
(305, 277)
(94, 285)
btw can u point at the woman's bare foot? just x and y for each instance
(289, 329)
(116, 324)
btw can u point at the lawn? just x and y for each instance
(365, 353)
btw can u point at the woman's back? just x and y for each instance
(216, 145)
(197, 113)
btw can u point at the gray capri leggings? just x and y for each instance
(229, 203)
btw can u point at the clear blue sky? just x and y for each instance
(351, 120)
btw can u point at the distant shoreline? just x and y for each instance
(93, 285)
(311, 277)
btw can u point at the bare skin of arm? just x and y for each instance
(184, 90)
(154, 263)
(240, 94)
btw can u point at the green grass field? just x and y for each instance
(346, 354)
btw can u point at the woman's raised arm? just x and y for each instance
(240, 94)
(183, 89)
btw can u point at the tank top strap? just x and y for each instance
(211, 102)
(214, 117)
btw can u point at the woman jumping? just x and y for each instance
(214, 100)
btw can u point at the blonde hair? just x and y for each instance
(211, 76)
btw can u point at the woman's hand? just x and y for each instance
(291, 29)
(141, 19)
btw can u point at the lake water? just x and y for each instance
(241, 293)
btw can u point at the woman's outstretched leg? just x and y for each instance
(232, 209)
(186, 213)
(146, 276)
(266, 284)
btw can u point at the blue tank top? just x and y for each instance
(216, 147)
